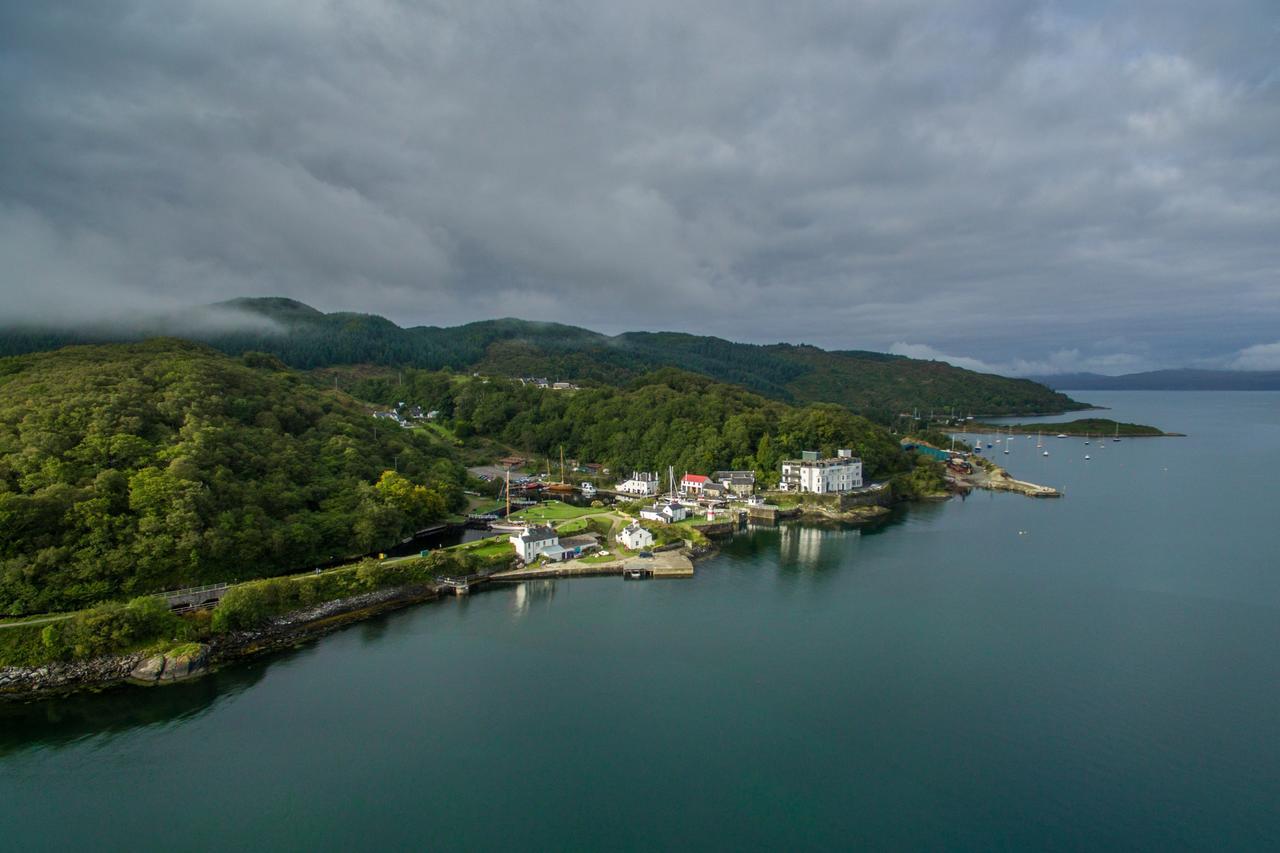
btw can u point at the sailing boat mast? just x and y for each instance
(507, 488)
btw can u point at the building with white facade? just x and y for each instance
(642, 483)
(822, 476)
(665, 512)
(533, 541)
(692, 484)
(635, 537)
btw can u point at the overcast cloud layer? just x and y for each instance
(1036, 187)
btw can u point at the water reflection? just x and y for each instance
(530, 593)
(58, 721)
(814, 549)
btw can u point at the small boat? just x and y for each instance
(1046, 453)
(588, 490)
(1086, 457)
(1117, 435)
(1062, 435)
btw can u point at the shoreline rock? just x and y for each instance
(187, 663)
(147, 668)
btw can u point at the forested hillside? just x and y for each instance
(666, 418)
(127, 469)
(879, 386)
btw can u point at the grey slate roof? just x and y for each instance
(538, 533)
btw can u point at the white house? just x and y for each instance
(635, 537)
(642, 483)
(822, 476)
(533, 541)
(692, 484)
(665, 512)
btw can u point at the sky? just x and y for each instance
(1022, 187)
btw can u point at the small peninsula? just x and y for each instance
(1082, 427)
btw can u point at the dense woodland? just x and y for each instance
(666, 418)
(872, 384)
(128, 469)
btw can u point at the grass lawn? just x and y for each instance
(492, 547)
(686, 529)
(555, 511)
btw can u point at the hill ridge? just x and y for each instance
(878, 385)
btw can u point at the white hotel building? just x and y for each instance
(822, 476)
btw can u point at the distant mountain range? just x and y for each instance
(874, 384)
(1167, 380)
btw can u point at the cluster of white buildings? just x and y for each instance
(541, 540)
(808, 474)
(841, 473)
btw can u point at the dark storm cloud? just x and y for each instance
(1028, 186)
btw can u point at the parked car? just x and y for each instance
(646, 555)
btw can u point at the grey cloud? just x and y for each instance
(1008, 180)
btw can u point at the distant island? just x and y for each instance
(1086, 427)
(1167, 380)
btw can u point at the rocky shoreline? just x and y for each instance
(196, 659)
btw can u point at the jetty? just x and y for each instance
(997, 479)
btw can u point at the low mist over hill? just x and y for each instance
(874, 384)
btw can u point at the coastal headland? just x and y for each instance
(1080, 428)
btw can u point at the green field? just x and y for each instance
(554, 511)
(491, 548)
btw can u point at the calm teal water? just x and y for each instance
(1095, 672)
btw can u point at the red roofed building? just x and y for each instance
(691, 484)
